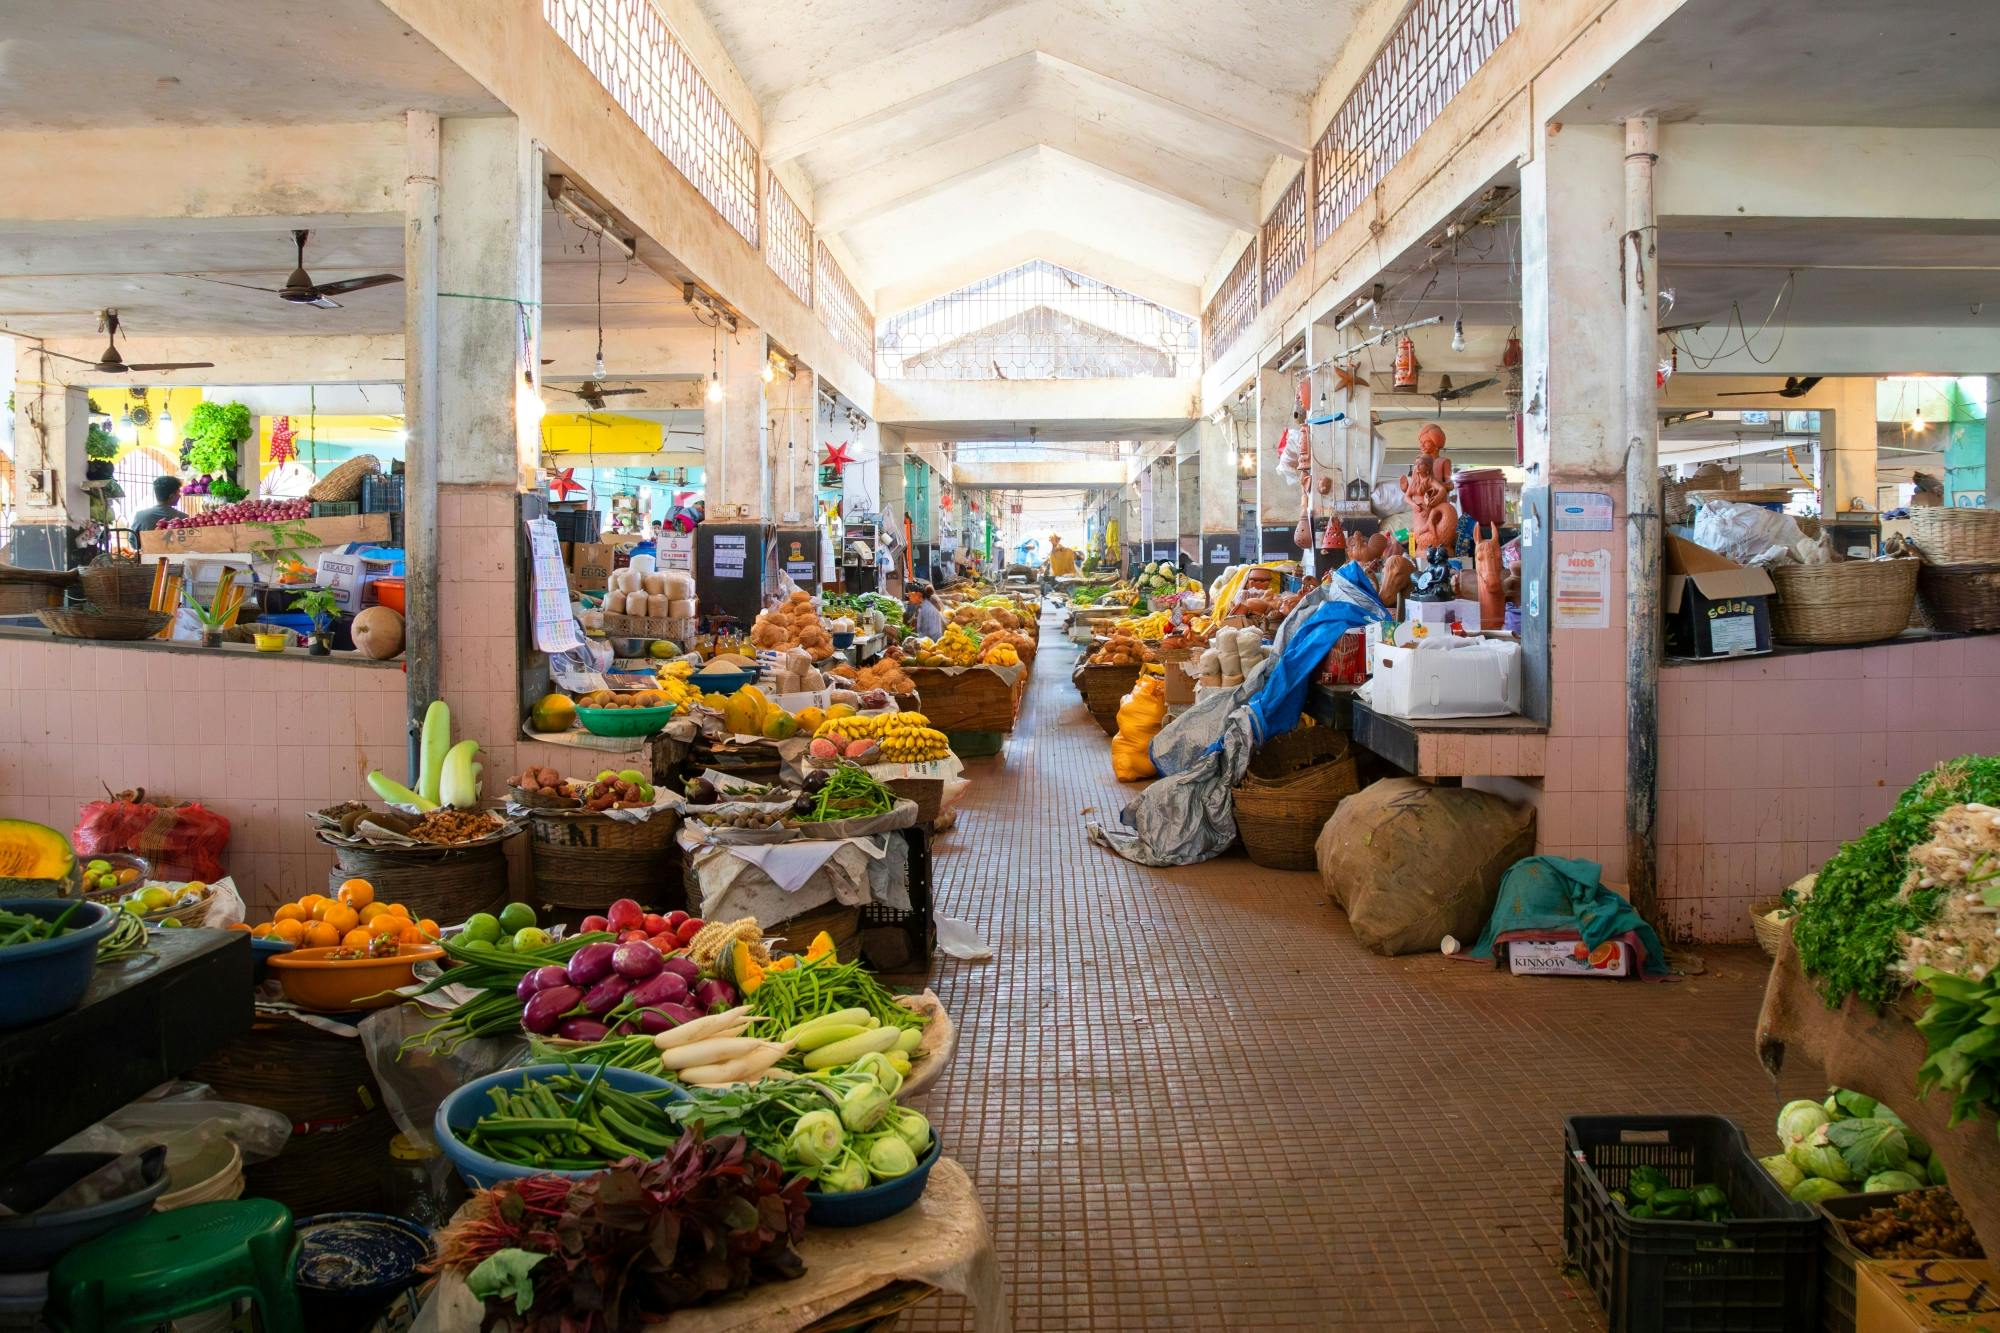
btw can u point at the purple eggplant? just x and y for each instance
(602, 998)
(547, 1008)
(712, 994)
(666, 988)
(687, 969)
(652, 1022)
(582, 1029)
(525, 988)
(636, 960)
(548, 978)
(678, 1013)
(591, 964)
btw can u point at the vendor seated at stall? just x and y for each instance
(926, 621)
(166, 498)
(1061, 561)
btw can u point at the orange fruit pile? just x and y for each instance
(350, 918)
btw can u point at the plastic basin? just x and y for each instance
(459, 1112)
(857, 1208)
(41, 980)
(32, 1242)
(207, 1171)
(262, 952)
(721, 682)
(624, 721)
(314, 979)
(358, 1257)
(843, 638)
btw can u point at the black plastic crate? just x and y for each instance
(1755, 1273)
(898, 942)
(335, 508)
(382, 493)
(575, 525)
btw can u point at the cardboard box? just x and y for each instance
(1180, 677)
(1460, 610)
(1446, 676)
(1559, 958)
(1926, 1296)
(346, 573)
(590, 565)
(1714, 606)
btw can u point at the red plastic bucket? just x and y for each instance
(1482, 494)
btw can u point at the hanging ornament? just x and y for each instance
(1345, 379)
(282, 435)
(1305, 394)
(1510, 362)
(1406, 365)
(562, 482)
(1333, 541)
(836, 458)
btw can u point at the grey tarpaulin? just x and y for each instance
(1188, 816)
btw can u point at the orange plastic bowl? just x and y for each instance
(315, 980)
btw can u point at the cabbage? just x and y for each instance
(912, 1128)
(889, 1157)
(1846, 1104)
(1820, 1159)
(845, 1176)
(1890, 1180)
(1869, 1144)
(1781, 1169)
(1935, 1171)
(816, 1140)
(1813, 1189)
(1798, 1120)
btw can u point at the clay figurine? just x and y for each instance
(1435, 521)
(1433, 582)
(1397, 570)
(1492, 578)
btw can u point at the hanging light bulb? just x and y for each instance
(597, 368)
(714, 387)
(768, 373)
(126, 430)
(163, 428)
(1458, 335)
(1917, 421)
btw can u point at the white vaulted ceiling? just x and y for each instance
(1128, 139)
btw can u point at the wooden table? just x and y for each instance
(143, 1021)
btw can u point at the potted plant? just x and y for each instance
(322, 607)
(214, 431)
(100, 447)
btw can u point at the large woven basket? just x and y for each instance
(119, 584)
(1104, 687)
(1280, 820)
(1847, 601)
(1301, 747)
(1960, 598)
(1770, 932)
(1956, 536)
(22, 597)
(446, 884)
(119, 626)
(344, 482)
(585, 861)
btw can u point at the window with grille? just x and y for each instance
(1234, 305)
(788, 239)
(840, 306)
(1037, 321)
(1432, 54)
(629, 49)
(1283, 238)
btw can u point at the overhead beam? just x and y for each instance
(912, 404)
(1848, 350)
(1732, 172)
(1293, 146)
(1120, 272)
(359, 358)
(247, 176)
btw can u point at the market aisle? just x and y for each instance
(1190, 1099)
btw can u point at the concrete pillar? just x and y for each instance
(1992, 477)
(1276, 398)
(1847, 448)
(51, 422)
(735, 430)
(1218, 477)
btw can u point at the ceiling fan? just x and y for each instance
(111, 363)
(1796, 386)
(300, 289)
(1446, 391)
(593, 392)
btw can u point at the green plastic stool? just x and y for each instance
(172, 1264)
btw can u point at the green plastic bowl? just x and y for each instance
(624, 721)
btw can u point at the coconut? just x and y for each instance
(378, 632)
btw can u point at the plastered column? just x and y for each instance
(1277, 498)
(736, 431)
(51, 422)
(1849, 448)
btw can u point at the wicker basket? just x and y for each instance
(443, 883)
(1848, 601)
(1956, 536)
(119, 626)
(583, 860)
(1960, 598)
(21, 597)
(1280, 820)
(119, 584)
(344, 482)
(1770, 934)
(928, 793)
(1104, 688)
(1301, 747)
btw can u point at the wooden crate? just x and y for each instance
(976, 699)
(238, 537)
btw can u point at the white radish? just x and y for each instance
(713, 1050)
(731, 1022)
(746, 1068)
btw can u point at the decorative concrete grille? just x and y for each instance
(629, 49)
(788, 239)
(1037, 321)
(840, 307)
(1234, 305)
(1283, 238)
(1433, 53)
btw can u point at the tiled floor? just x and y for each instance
(1190, 1099)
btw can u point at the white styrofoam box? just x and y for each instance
(1558, 958)
(1461, 609)
(1445, 676)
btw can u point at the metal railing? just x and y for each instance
(788, 239)
(841, 307)
(1234, 305)
(629, 49)
(1432, 54)
(1037, 321)
(1283, 240)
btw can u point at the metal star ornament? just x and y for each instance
(562, 482)
(836, 458)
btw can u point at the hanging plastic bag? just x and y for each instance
(1141, 714)
(188, 1114)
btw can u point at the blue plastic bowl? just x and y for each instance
(721, 682)
(843, 638)
(46, 978)
(32, 1241)
(459, 1112)
(358, 1256)
(858, 1208)
(261, 953)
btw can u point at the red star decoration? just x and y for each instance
(944, 502)
(836, 458)
(282, 435)
(562, 482)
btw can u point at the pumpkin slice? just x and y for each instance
(35, 861)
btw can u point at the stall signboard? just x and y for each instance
(677, 552)
(1583, 511)
(1219, 551)
(1278, 543)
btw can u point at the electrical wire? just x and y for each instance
(1735, 322)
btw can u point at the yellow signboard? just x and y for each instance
(599, 433)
